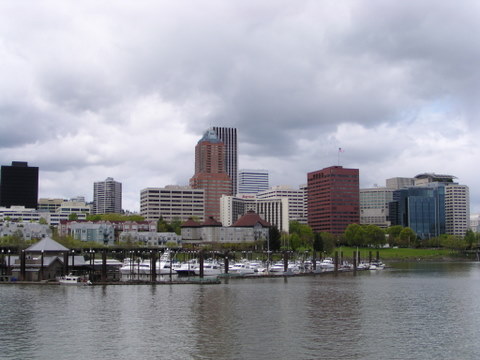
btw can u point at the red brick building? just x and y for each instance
(333, 199)
(210, 173)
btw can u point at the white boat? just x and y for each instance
(277, 267)
(187, 268)
(243, 268)
(210, 268)
(326, 264)
(376, 265)
(73, 280)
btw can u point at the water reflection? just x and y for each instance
(427, 311)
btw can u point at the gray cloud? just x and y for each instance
(94, 90)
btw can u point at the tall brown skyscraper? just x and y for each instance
(333, 199)
(210, 173)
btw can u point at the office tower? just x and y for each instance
(374, 206)
(273, 210)
(457, 209)
(19, 185)
(333, 199)
(172, 202)
(229, 138)
(210, 173)
(252, 181)
(421, 208)
(107, 197)
(297, 210)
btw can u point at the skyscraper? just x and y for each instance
(229, 138)
(210, 173)
(333, 199)
(252, 181)
(19, 185)
(107, 197)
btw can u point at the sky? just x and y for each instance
(125, 89)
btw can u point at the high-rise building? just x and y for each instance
(172, 202)
(333, 199)
(210, 173)
(421, 208)
(297, 200)
(19, 185)
(229, 138)
(252, 181)
(457, 209)
(374, 206)
(107, 197)
(273, 210)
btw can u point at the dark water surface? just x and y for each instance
(410, 311)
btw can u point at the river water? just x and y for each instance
(408, 311)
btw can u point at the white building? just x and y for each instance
(248, 229)
(475, 222)
(457, 209)
(297, 200)
(107, 197)
(374, 204)
(26, 230)
(272, 210)
(160, 239)
(252, 181)
(172, 202)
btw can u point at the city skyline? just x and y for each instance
(395, 85)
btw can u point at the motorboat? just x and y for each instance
(326, 264)
(243, 268)
(73, 280)
(210, 268)
(376, 265)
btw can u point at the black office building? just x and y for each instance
(19, 185)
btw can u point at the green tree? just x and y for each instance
(470, 238)
(375, 236)
(328, 242)
(355, 235)
(274, 238)
(317, 242)
(73, 217)
(407, 238)
(304, 233)
(393, 233)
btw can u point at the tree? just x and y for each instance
(274, 237)
(317, 242)
(374, 236)
(73, 217)
(407, 237)
(470, 238)
(393, 233)
(328, 242)
(304, 233)
(355, 234)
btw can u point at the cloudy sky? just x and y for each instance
(125, 89)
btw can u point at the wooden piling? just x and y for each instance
(336, 261)
(153, 265)
(23, 269)
(354, 263)
(285, 261)
(65, 263)
(103, 275)
(201, 262)
(226, 262)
